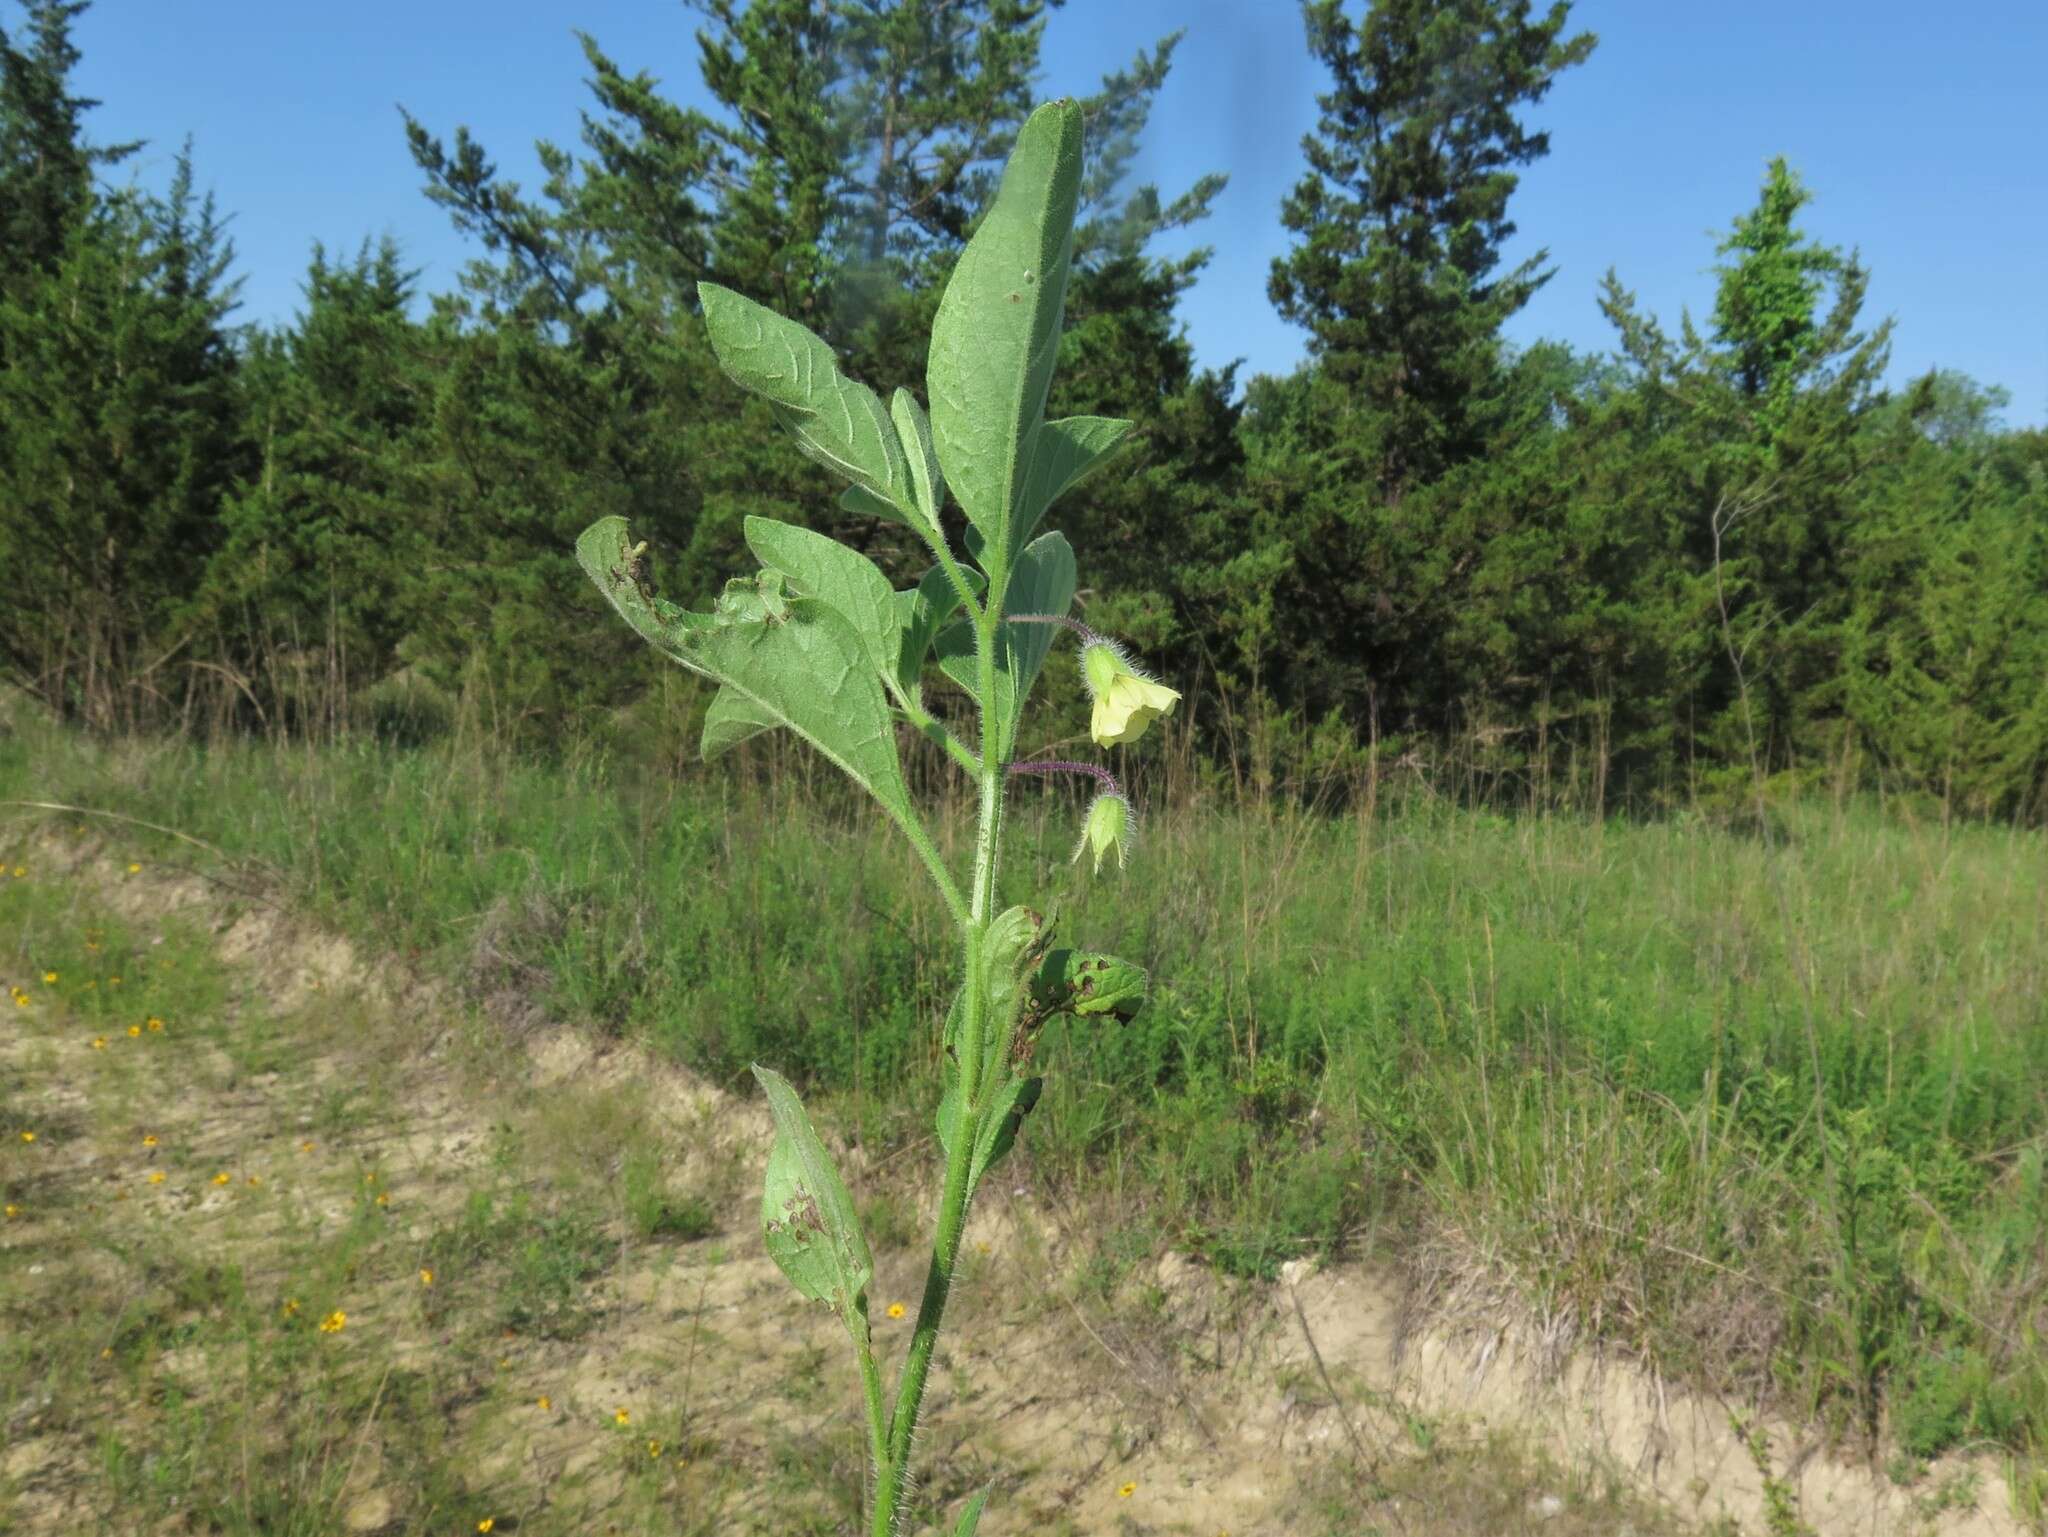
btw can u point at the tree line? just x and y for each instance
(1721, 554)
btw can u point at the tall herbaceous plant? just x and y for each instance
(819, 643)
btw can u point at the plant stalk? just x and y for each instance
(893, 1462)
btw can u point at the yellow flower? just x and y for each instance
(426, 1278)
(545, 1402)
(1125, 1491)
(134, 869)
(334, 1322)
(49, 979)
(156, 1176)
(223, 1178)
(99, 1043)
(155, 1023)
(134, 1030)
(149, 1139)
(291, 1307)
(13, 1210)
(621, 1417)
(486, 1524)
(305, 1147)
(28, 1136)
(654, 1448)
(895, 1310)
(255, 1179)
(383, 1198)
(20, 872)
(1126, 701)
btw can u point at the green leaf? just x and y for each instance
(995, 337)
(823, 568)
(1042, 583)
(1006, 949)
(807, 1217)
(1067, 452)
(1012, 1101)
(926, 478)
(971, 1516)
(1088, 986)
(731, 719)
(863, 503)
(923, 611)
(795, 661)
(835, 421)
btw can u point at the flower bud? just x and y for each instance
(1108, 828)
(1126, 701)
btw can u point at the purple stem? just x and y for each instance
(1088, 636)
(1050, 766)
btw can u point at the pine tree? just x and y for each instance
(46, 162)
(116, 388)
(311, 586)
(854, 148)
(1403, 214)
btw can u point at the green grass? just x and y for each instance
(1768, 1109)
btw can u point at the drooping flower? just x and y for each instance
(1107, 829)
(1126, 701)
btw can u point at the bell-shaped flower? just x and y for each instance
(1107, 829)
(1126, 701)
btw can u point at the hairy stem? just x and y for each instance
(892, 1465)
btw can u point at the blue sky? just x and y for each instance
(1919, 128)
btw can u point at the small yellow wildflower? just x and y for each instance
(895, 1310)
(99, 1043)
(305, 1147)
(654, 1448)
(134, 1030)
(486, 1524)
(149, 1139)
(1126, 701)
(545, 1402)
(107, 1353)
(621, 1417)
(426, 1278)
(49, 979)
(255, 1179)
(13, 1210)
(223, 1178)
(383, 1198)
(155, 1023)
(134, 869)
(334, 1322)
(1125, 1491)
(291, 1307)
(28, 1136)
(156, 1176)
(20, 872)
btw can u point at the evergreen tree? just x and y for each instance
(1403, 214)
(1762, 427)
(46, 162)
(116, 394)
(853, 150)
(1396, 276)
(310, 588)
